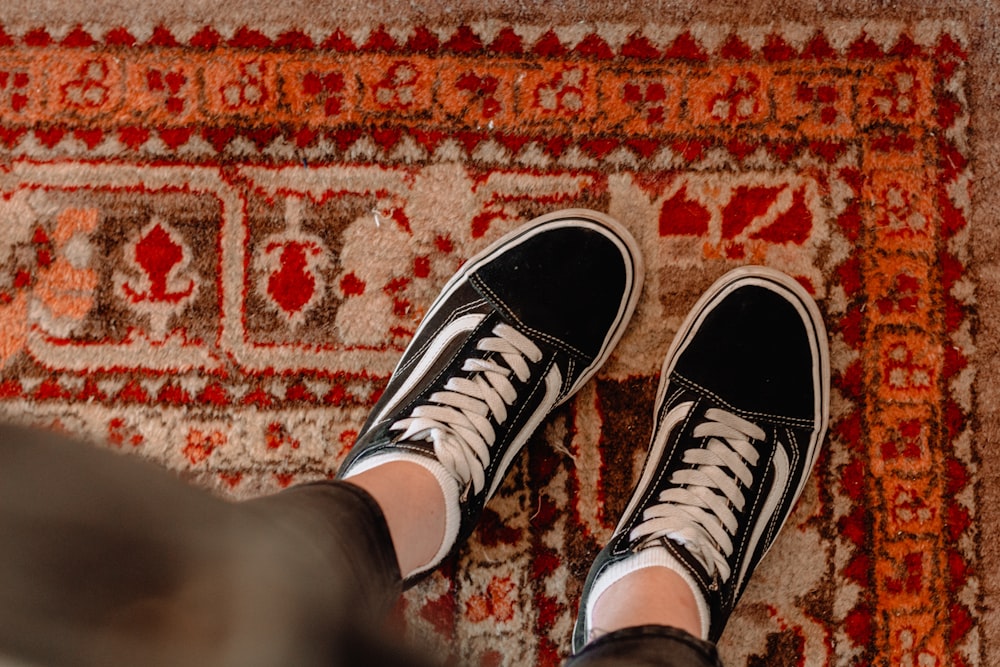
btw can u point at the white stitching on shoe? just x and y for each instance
(498, 302)
(697, 510)
(457, 419)
(776, 494)
(799, 422)
(570, 376)
(552, 383)
(416, 355)
(677, 416)
(428, 356)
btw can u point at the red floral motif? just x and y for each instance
(169, 84)
(910, 578)
(277, 436)
(351, 285)
(284, 479)
(293, 285)
(649, 97)
(156, 280)
(908, 507)
(158, 256)
(564, 92)
(680, 216)
(327, 88)
(903, 298)
(899, 97)
(345, 441)
(291, 266)
(90, 90)
(740, 102)
(398, 88)
(496, 604)
(907, 441)
(249, 90)
(750, 219)
(121, 432)
(491, 213)
(792, 226)
(201, 444)
(746, 204)
(824, 97)
(14, 87)
(903, 371)
(902, 214)
(482, 91)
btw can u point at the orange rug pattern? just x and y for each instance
(215, 246)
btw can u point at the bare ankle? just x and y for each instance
(650, 596)
(413, 504)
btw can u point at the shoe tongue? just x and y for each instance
(703, 558)
(691, 547)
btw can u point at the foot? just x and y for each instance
(516, 332)
(741, 412)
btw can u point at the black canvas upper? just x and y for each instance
(755, 340)
(567, 281)
(754, 347)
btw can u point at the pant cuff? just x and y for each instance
(647, 646)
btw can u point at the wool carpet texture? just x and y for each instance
(217, 240)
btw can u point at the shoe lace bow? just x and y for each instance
(457, 419)
(698, 509)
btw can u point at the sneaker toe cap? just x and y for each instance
(758, 350)
(573, 283)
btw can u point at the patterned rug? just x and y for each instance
(215, 244)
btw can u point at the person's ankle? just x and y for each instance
(413, 503)
(648, 596)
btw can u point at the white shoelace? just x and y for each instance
(457, 421)
(698, 510)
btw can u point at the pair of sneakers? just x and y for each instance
(740, 412)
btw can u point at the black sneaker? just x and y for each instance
(741, 411)
(517, 331)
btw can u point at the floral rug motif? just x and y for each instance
(216, 245)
